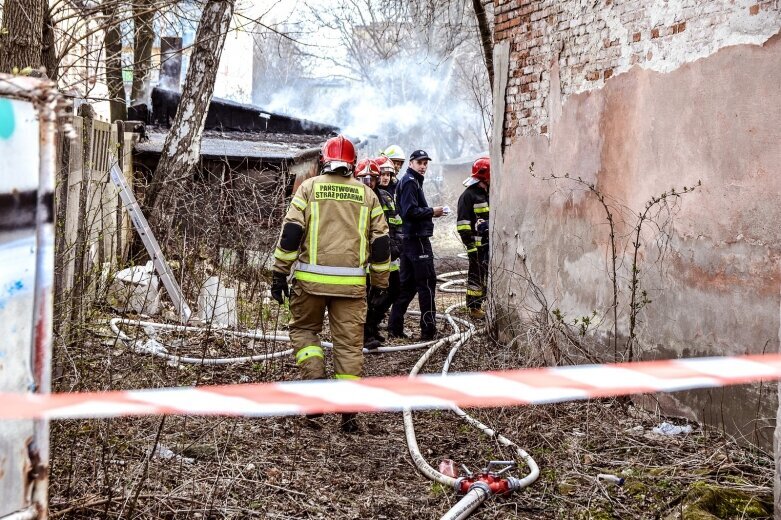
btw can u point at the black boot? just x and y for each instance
(349, 423)
(371, 344)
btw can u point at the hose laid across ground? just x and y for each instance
(479, 492)
(476, 494)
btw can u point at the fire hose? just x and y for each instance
(475, 488)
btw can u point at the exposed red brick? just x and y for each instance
(540, 32)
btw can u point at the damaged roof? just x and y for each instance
(217, 144)
(235, 130)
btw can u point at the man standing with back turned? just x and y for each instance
(472, 225)
(333, 230)
(417, 259)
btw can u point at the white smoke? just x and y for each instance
(413, 101)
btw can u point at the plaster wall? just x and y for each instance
(715, 290)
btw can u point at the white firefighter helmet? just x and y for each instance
(394, 152)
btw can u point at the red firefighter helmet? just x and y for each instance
(338, 153)
(385, 164)
(481, 171)
(367, 167)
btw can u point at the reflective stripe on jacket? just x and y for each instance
(341, 218)
(472, 205)
(394, 222)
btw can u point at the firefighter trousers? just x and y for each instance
(477, 277)
(346, 317)
(376, 314)
(417, 276)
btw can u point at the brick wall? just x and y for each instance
(592, 41)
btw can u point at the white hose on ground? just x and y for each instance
(162, 352)
(478, 492)
(447, 286)
(476, 495)
(534, 470)
(409, 427)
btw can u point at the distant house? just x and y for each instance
(251, 162)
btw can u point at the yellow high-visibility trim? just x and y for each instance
(299, 203)
(396, 221)
(376, 212)
(282, 255)
(464, 227)
(482, 210)
(330, 279)
(471, 292)
(394, 267)
(314, 229)
(380, 268)
(472, 250)
(348, 377)
(362, 222)
(308, 352)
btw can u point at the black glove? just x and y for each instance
(377, 296)
(279, 287)
(395, 251)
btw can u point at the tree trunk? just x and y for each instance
(144, 19)
(48, 49)
(182, 147)
(21, 34)
(486, 38)
(113, 44)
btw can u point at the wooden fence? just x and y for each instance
(93, 231)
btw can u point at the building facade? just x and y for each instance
(602, 110)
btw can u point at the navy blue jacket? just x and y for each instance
(412, 206)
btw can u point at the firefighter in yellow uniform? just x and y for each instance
(333, 231)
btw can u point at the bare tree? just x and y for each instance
(49, 49)
(113, 46)
(144, 18)
(420, 53)
(486, 38)
(182, 147)
(21, 35)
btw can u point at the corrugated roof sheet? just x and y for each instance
(253, 145)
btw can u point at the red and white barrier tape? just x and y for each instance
(482, 389)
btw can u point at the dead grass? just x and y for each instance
(279, 468)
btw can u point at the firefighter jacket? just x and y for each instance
(413, 208)
(333, 232)
(391, 187)
(473, 206)
(394, 225)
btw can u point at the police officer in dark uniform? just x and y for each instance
(417, 273)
